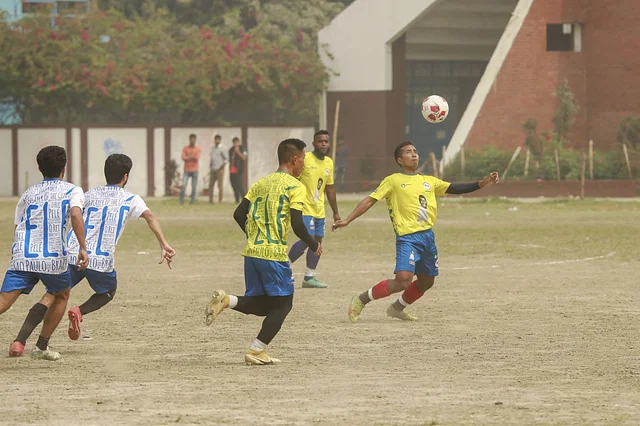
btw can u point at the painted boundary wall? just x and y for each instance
(150, 148)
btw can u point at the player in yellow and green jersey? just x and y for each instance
(271, 205)
(411, 199)
(317, 177)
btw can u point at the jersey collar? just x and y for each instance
(316, 155)
(50, 179)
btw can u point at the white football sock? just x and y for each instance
(310, 272)
(257, 345)
(233, 301)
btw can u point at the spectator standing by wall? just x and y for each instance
(237, 161)
(219, 159)
(190, 156)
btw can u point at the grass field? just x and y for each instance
(534, 320)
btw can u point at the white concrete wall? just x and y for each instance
(30, 142)
(6, 163)
(360, 41)
(263, 148)
(104, 142)
(158, 162)
(76, 157)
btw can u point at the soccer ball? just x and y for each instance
(435, 109)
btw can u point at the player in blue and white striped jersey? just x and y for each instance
(39, 251)
(106, 212)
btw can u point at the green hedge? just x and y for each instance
(606, 165)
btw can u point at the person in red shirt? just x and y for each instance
(190, 156)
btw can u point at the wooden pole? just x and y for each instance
(626, 157)
(555, 153)
(591, 160)
(527, 158)
(513, 158)
(434, 165)
(336, 119)
(462, 161)
(584, 166)
(444, 151)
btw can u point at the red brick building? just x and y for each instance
(498, 62)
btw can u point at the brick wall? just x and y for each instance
(530, 75)
(612, 35)
(603, 77)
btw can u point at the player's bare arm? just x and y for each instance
(240, 214)
(297, 224)
(166, 251)
(330, 190)
(77, 223)
(360, 209)
(465, 188)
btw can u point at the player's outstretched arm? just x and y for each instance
(77, 224)
(240, 215)
(360, 209)
(166, 252)
(465, 188)
(330, 190)
(297, 224)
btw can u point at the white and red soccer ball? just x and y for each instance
(435, 109)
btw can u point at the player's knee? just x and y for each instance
(425, 284)
(62, 295)
(47, 299)
(112, 294)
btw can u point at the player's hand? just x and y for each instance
(318, 252)
(83, 259)
(339, 224)
(490, 179)
(167, 254)
(336, 217)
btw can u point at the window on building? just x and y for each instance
(564, 37)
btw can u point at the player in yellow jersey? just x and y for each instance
(411, 199)
(264, 215)
(317, 177)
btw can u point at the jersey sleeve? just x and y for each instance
(20, 209)
(383, 190)
(138, 206)
(77, 198)
(250, 195)
(440, 187)
(330, 176)
(297, 194)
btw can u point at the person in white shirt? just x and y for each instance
(39, 251)
(106, 212)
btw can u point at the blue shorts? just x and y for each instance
(100, 282)
(267, 277)
(314, 225)
(26, 281)
(417, 253)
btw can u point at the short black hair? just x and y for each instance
(340, 137)
(51, 161)
(320, 133)
(115, 167)
(397, 153)
(289, 148)
(235, 138)
(217, 137)
(192, 135)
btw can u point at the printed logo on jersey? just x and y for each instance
(326, 172)
(404, 185)
(427, 186)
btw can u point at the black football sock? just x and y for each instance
(96, 302)
(280, 306)
(35, 317)
(43, 343)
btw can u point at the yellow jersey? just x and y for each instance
(272, 198)
(317, 174)
(411, 200)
